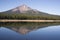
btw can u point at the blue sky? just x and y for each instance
(48, 6)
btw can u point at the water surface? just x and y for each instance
(29, 31)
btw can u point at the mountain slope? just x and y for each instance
(25, 12)
(20, 9)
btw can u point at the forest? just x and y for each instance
(25, 16)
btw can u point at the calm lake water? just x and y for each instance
(29, 31)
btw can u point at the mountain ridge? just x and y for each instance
(25, 12)
(25, 9)
(20, 9)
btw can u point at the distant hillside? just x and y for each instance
(25, 12)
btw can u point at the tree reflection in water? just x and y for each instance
(24, 28)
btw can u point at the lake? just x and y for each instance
(29, 31)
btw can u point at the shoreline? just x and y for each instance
(6, 20)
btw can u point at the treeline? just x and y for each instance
(28, 17)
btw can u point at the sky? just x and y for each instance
(48, 6)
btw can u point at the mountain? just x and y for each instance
(25, 12)
(20, 9)
(24, 9)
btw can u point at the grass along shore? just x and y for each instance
(6, 20)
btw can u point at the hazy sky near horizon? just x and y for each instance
(48, 6)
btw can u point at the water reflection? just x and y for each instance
(8, 34)
(29, 31)
(24, 28)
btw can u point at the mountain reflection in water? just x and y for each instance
(24, 28)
